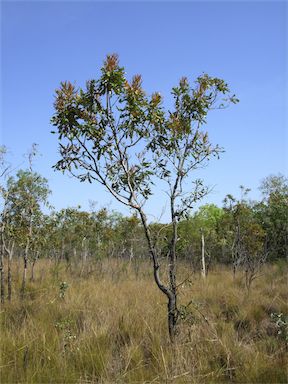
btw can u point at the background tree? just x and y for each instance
(272, 214)
(27, 192)
(113, 133)
(5, 169)
(249, 247)
(207, 220)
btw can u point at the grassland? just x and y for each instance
(109, 326)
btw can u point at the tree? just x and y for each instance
(27, 192)
(129, 238)
(206, 220)
(7, 242)
(249, 246)
(272, 213)
(111, 132)
(4, 171)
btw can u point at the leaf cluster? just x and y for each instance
(113, 133)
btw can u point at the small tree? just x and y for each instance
(249, 248)
(272, 212)
(5, 169)
(111, 132)
(206, 220)
(7, 240)
(26, 193)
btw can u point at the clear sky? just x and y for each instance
(244, 43)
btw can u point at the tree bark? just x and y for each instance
(2, 277)
(25, 258)
(171, 296)
(2, 250)
(9, 272)
(33, 266)
(172, 316)
(204, 273)
(24, 277)
(84, 252)
(172, 301)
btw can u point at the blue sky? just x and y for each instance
(44, 43)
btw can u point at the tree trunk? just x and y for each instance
(2, 251)
(131, 255)
(234, 271)
(9, 274)
(9, 280)
(83, 256)
(203, 255)
(33, 266)
(32, 270)
(172, 316)
(172, 299)
(171, 296)
(26, 253)
(24, 277)
(2, 277)
(234, 259)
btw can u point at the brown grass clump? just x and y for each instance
(109, 326)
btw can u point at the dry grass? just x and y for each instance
(111, 328)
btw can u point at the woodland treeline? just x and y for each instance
(242, 234)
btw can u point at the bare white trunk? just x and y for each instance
(203, 256)
(2, 275)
